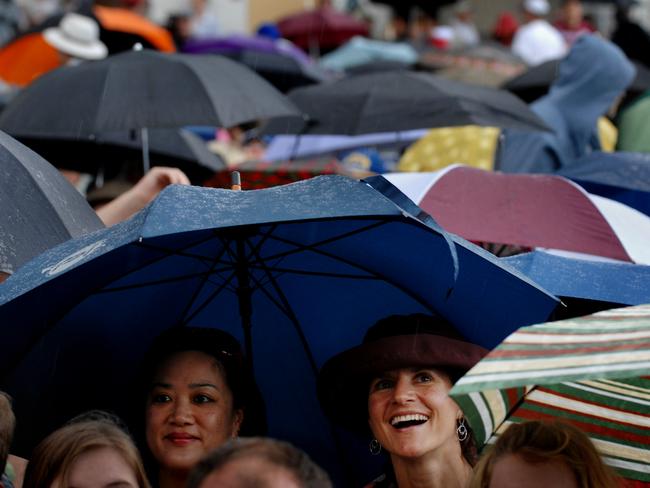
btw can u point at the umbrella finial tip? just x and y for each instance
(235, 181)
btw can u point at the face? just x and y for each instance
(513, 471)
(189, 411)
(103, 467)
(250, 472)
(410, 412)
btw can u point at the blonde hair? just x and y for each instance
(54, 456)
(7, 425)
(539, 441)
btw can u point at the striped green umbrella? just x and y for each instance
(592, 371)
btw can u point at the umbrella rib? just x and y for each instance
(200, 308)
(291, 315)
(374, 273)
(315, 273)
(160, 281)
(302, 247)
(201, 285)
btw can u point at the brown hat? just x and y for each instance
(398, 341)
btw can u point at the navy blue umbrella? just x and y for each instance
(297, 273)
(621, 176)
(614, 283)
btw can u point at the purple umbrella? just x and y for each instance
(236, 43)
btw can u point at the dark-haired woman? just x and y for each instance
(198, 392)
(397, 382)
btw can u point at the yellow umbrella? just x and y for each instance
(470, 144)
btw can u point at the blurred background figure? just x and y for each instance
(571, 21)
(465, 31)
(203, 23)
(505, 28)
(261, 462)
(633, 39)
(76, 39)
(536, 40)
(543, 454)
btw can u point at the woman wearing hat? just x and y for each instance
(397, 383)
(200, 393)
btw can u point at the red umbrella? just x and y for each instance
(323, 28)
(528, 210)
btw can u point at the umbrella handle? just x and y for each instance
(235, 181)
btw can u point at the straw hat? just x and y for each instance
(398, 341)
(77, 36)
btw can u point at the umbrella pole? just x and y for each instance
(244, 294)
(144, 135)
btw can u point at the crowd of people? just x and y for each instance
(202, 419)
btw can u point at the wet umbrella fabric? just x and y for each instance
(321, 29)
(591, 371)
(615, 283)
(297, 273)
(40, 209)
(142, 89)
(527, 210)
(108, 153)
(402, 100)
(273, 60)
(536, 81)
(620, 176)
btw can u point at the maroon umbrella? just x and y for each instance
(323, 29)
(520, 210)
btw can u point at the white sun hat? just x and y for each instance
(537, 7)
(77, 36)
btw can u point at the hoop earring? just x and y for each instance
(375, 447)
(461, 430)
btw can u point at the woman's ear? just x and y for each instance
(237, 420)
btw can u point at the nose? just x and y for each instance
(181, 413)
(403, 391)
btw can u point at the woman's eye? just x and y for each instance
(160, 398)
(424, 377)
(202, 399)
(381, 384)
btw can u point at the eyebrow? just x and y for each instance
(191, 385)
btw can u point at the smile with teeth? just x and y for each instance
(402, 421)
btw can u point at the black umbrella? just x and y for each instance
(401, 100)
(143, 89)
(40, 209)
(283, 72)
(108, 153)
(536, 81)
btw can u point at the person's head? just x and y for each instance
(396, 383)
(258, 462)
(572, 13)
(91, 451)
(542, 454)
(198, 389)
(76, 38)
(535, 9)
(7, 427)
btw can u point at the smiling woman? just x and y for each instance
(198, 392)
(397, 383)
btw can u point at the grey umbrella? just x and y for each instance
(140, 90)
(40, 209)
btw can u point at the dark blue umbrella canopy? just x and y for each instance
(621, 283)
(297, 273)
(621, 176)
